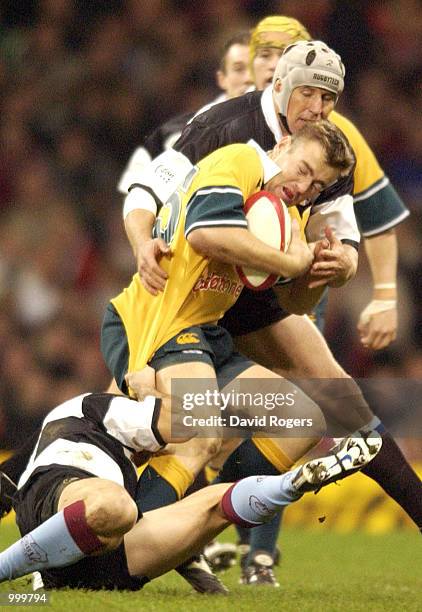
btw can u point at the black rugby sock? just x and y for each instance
(393, 473)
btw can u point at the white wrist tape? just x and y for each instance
(375, 307)
(385, 286)
(138, 162)
(138, 198)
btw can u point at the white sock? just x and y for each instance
(255, 500)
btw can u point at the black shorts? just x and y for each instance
(210, 344)
(253, 311)
(37, 502)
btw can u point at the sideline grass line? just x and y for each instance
(321, 572)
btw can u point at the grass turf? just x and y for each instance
(321, 571)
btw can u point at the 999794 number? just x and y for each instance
(22, 599)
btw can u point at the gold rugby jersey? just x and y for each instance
(198, 290)
(378, 207)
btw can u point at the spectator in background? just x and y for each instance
(41, 102)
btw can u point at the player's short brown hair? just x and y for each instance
(339, 153)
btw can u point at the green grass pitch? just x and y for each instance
(321, 571)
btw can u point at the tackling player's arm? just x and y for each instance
(302, 294)
(140, 207)
(139, 212)
(148, 251)
(149, 186)
(378, 210)
(332, 216)
(142, 382)
(377, 324)
(335, 264)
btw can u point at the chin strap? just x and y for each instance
(283, 121)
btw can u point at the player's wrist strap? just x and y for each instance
(375, 307)
(385, 286)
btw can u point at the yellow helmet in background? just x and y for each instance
(280, 24)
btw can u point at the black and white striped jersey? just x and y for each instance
(97, 433)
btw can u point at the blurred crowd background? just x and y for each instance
(81, 83)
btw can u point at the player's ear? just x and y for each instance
(275, 151)
(278, 86)
(221, 79)
(284, 143)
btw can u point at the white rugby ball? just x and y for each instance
(269, 220)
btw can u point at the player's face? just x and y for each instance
(304, 173)
(308, 104)
(236, 78)
(271, 47)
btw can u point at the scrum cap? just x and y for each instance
(310, 63)
(276, 23)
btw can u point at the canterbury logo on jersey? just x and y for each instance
(189, 338)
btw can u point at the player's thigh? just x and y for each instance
(292, 347)
(263, 380)
(167, 536)
(198, 378)
(293, 442)
(191, 370)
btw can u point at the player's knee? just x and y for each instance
(325, 366)
(317, 368)
(309, 411)
(211, 447)
(124, 512)
(205, 448)
(112, 512)
(348, 395)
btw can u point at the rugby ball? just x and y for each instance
(269, 220)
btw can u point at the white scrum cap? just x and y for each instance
(310, 63)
